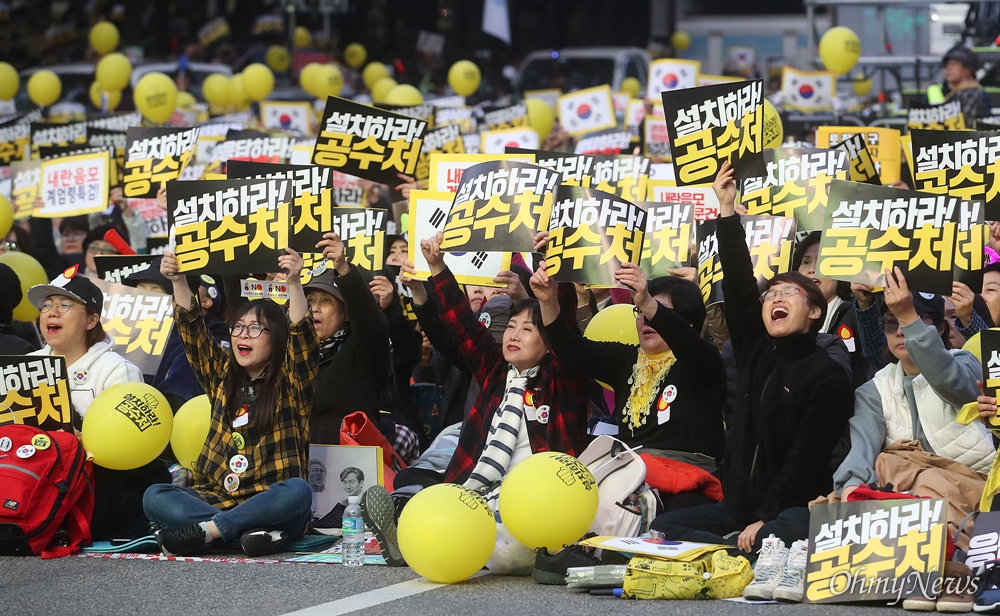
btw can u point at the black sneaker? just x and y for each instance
(987, 597)
(263, 542)
(182, 541)
(333, 519)
(551, 568)
(380, 515)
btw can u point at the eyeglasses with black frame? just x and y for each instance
(61, 306)
(890, 325)
(771, 294)
(254, 330)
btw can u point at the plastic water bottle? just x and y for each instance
(353, 542)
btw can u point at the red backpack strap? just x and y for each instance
(77, 521)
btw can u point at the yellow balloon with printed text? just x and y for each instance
(127, 426)
(773, 131)
(839, 49)
(155, 97)
(464, 77)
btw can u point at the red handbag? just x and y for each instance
(357, 429)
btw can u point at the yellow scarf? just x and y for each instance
(647, 375)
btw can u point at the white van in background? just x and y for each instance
(576, 68)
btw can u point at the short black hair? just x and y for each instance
(813, 295)
(685, 296)
(535, 310)
(810, 240)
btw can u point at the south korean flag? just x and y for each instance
(293, 116)
(427, 216)
(497, 141)
(587, 111)
(807, 90)
(671, 74)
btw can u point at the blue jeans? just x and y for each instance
(710, 524)
(285, 506)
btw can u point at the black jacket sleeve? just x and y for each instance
(739, 286)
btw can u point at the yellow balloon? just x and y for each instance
(258, 81)
(186, 99)
(114, 71)
(355, 55)
(190, 432)
(307, 76)
(237, 92)
(215, 89)
(464, 77)
(373, 72)
(382, 88)
(404, 95)
(548, 500)
(540, 117)
(114, 97)
(974, 346)
(680, 40)
(447, 533)
(862, 85)
(631, 86)
(127, 426)
(773, 131)
(31, 272)
(155, 97)
(839, 48)
(104, 37)
(9, 81)
(278, 58)
(613, 324)
(327, 81)
(302, 38)
(6, 216)
(44, 88)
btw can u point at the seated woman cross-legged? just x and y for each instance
(248, 481)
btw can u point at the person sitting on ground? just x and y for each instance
(249, 481)
(791, 406)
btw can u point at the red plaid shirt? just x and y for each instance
(564, 392)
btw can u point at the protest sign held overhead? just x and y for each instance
(294, 116)
(808, 91)
(361, 229)
(229, 226)
(138, 321)
(704, 199)
(656, 137)
(445, 139)
(875, 550)
(74, 185)
(428, 213)
(623, 175)
(668, 74)
(57, 133)
(254, 145)
(514, 116)
(947, 116)
(116, 268)
(715, 123)
(861, 164)
(882, 143)
(795, 185)
(500, 206)
(963, 164)
(34, 390)
(347, 190)
(989, 340)
(447, 169)
(770, 240)
(497, 141)
(869, 229)
(26, 185)
(154, 156)
(587, 111)
(669, 231)
(370, 143)
(591, 233)
(15, 138)
(609, 142)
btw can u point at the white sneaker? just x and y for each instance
(767, 571)
(792, 580)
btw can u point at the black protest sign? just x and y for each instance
(424, 112)
(574, 169)
(499, 207)
(869, 229)
(445, 139)
(963, 164)
(120, 121)
(795, 185)
(369, 143)
(363, 232)
(117, 139)
(15, 139)
(57, 133)
(514, 116)
(947, 116)
(254, 145)
(591, 233)
(714, 123)
(669, 230)
(138, 321)
(116, 268)
(861, 164)
(985, 543)
(770, 240)
(608, 142)
(154, 156)
(989, 340)
(623, 175)
(34, 390)
(875, 550)
(229, 226)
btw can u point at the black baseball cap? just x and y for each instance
(69, 284)
(926, 303)
(964, 55)
(325, 282)
(150, 274)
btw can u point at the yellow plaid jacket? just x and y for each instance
(281, 454)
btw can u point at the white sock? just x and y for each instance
(204, 527)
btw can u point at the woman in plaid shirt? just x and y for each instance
(248, 479)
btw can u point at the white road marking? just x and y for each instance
(372, 598)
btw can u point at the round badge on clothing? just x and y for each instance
(231, 483)
(6, 444)
(543, 414)
(238, 440)
(670, 393)
(25, 451)
(239, 464)
(41, 442)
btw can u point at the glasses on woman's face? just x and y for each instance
(101, 249)
(890, 325)
(62, 306)
(8, 245)
(773, 294)
(254, 330)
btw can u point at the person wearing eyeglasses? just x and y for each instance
(249, 481)
(792, 402)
